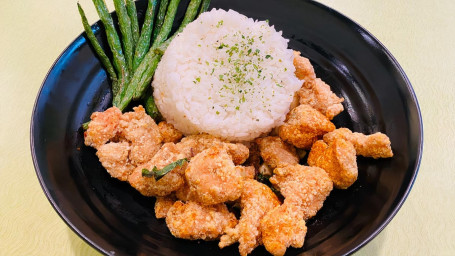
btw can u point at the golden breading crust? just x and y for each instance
(305, 189)
(195, 144)
(172, 181)
(114, 157)
(247, 172)
(162, 206)
(318, 95)
(213, 177)
(185, 194)
(169, 133)
(142, 131)
(303, 68)
(305, 186)
(375, 145)
(303, 126)
(257, 199)
(238, 152)
(277, 153)
(195, 221)
(338, 159)
(103, 127)
(283, 227)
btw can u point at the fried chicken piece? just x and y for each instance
(185, 194)
(375, 145)
(295, 103)
(303, 68)
(303, 126)
(306, 187)
(170, 182)
(213, 177)
(194, 144)
(318, 95)
(169, 133)
(142, 131)
(257, 199)
(283, 227)
(238, 152)
(338, 159)
(114, 157)
(103, 127)
(195, 221)
(162, 206)
(277, 153)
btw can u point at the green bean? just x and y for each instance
(125, 28)
(167, 24)
(151, 107)
(141, 79)
(98, 49)
(204, 6)
(114, 44)
(144, 73)
(190, 14)
(160, 18)
(132, 13)
(189, 17)
(85, 125)
(144, 40)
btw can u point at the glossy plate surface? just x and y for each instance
(115, 219)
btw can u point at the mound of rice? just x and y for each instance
(226, 75)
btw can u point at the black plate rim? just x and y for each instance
(379, 229)
(95, 27)
(416, 104)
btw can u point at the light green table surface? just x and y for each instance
(419, 33)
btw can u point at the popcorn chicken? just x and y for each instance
(140, 129)
(194, 144)
(303, 68)
(195, 221)
(303, 126)
(103, 127)
(338, 159)
(237, 151)
(114, 157)
(305, 189)
(162, 206)
(318, 95)
(213, 178)
(169, 133)
(172, 181)
(277, 153)
(257, 199)
(375, 145)
(283, 227)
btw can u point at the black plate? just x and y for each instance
(113, 217)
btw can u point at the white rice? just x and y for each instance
(226, 75)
